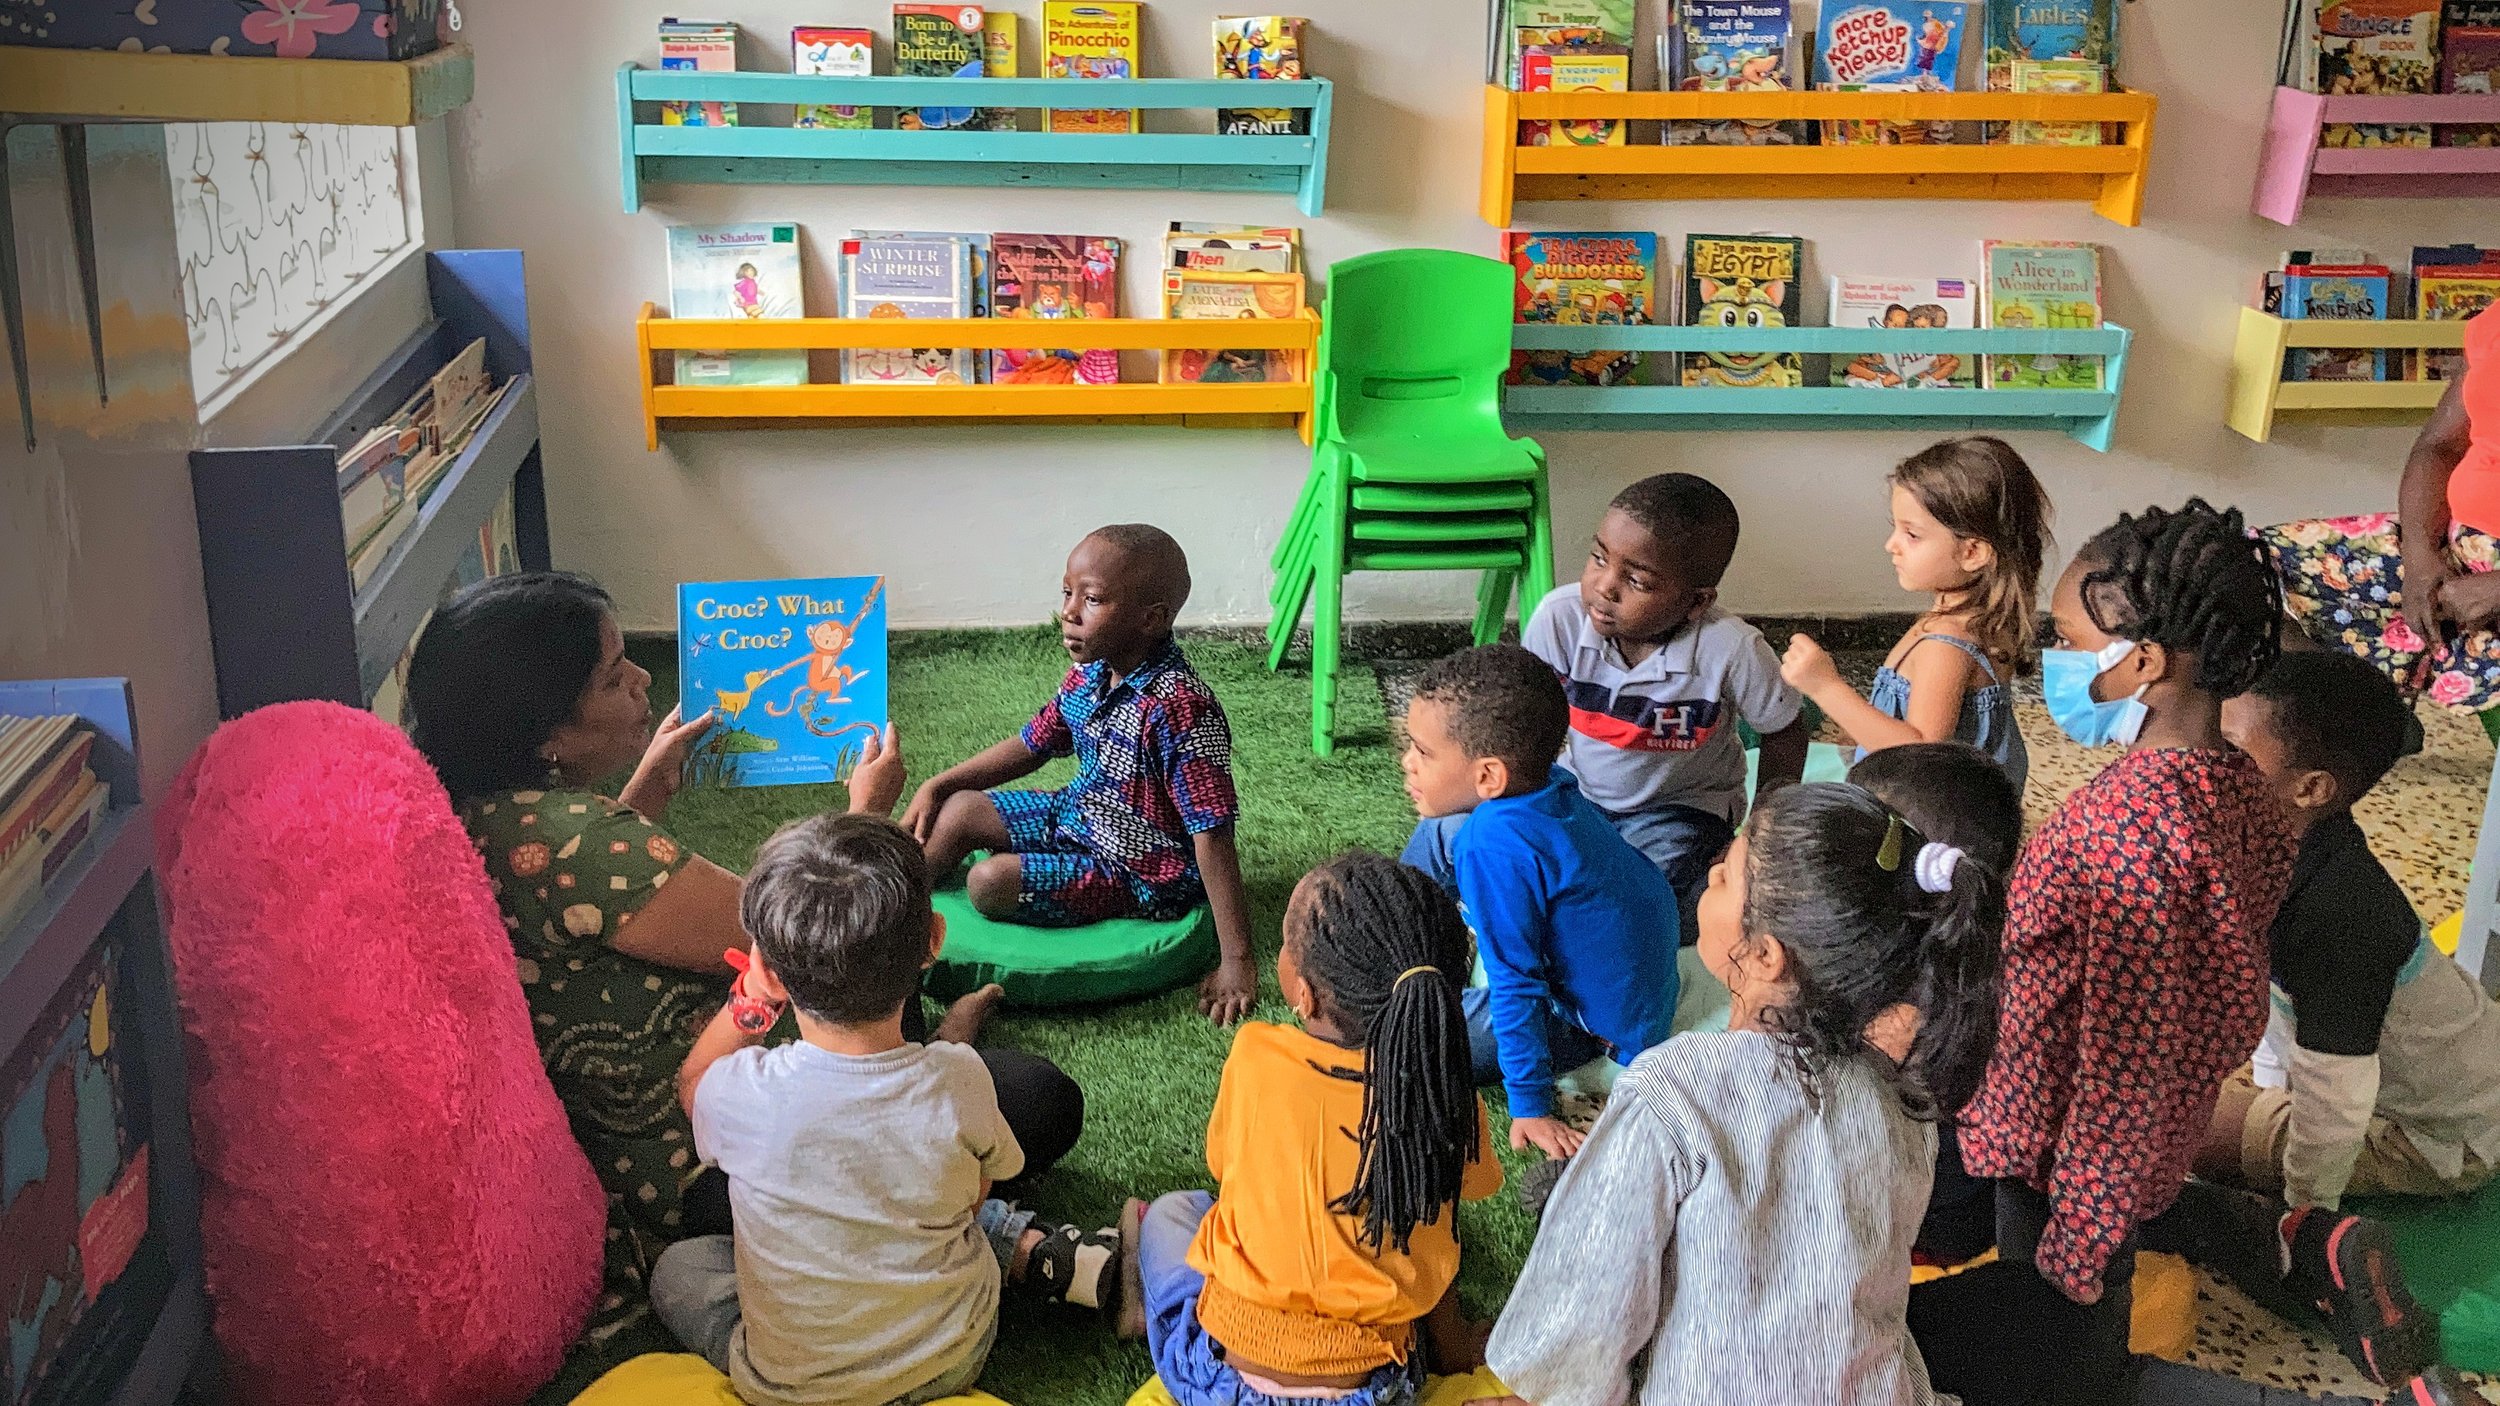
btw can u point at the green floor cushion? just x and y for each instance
(1114, 961)
(2451, 1255)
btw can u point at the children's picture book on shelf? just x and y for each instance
(746, 272)
(1218, 295)
(1054, 278)
(1090, 39)
(907, 276)
(937, 41)
(845, 53)
(1733, 46)
(2451, 283)
(793, 672)
(2469, 62)
(1257, 48)
(2049, 31)
(1889, 46)
(1575, 68)
(976, 254)
(1743, 282)
(2356, 294)
(1520, 25)
(1225, 249)
(1002, 56)
(698, 46)
(2044, 286)
(1587, 279)
(2058, 76)
(2376, 47)
(1904, 304)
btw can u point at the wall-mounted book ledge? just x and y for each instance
(2089, 415)
(2259, 394)
(2298, 162)
(765, 153)
(69, 85)
(1205, 404)
(2111, 177)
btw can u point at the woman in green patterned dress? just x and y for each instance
(521, 696)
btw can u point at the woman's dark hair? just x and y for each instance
(1980, 490)
(1834, 875)
(1386, 951)
(2192, 581)
(499, 668)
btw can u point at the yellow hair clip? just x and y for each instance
(1888, 858)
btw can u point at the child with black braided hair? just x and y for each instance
(1342, 1150)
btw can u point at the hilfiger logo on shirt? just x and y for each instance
(1638, 724)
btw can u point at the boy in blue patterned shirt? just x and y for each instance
(1146, 827)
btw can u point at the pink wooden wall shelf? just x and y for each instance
(2295, 162)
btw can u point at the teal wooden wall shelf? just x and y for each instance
(781, 154)
(2088, 416)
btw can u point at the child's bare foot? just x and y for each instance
(963, 1020)
(1131, 1323)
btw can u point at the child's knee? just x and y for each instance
(995, 885)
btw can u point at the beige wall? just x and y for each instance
(99, 554)
(973, 523)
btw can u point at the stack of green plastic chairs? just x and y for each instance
(1411, 469)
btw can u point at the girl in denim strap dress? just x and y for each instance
(1970, 528)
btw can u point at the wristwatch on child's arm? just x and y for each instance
(750, 1013)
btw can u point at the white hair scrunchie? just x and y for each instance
(1935, 865)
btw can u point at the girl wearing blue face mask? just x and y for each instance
(2134, 958)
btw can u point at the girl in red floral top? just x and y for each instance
(2135, 955)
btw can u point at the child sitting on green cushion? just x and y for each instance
(1146, 828)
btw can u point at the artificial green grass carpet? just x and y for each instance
(1149, 1069)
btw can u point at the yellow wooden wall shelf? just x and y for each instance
(1211, 405)
(2259, 393)
(66, 85)
(2111, 177)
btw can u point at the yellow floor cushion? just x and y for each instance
(683, 1379)
(1479, 1385)
(2165, 1302)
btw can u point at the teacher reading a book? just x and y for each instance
(521, 697)
(2416, 592)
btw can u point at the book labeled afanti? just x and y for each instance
(740, 273)
(1211, 295)
(1744, 283)
(1090, 39)
(1582, 279)
(937, 41)
(793, 672)
(1258, 48)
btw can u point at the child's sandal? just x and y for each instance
(1075, 1267)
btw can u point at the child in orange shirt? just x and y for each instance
(1342, 1149)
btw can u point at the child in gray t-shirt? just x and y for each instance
(868, 1259)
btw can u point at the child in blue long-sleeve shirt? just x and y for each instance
(1576, 931)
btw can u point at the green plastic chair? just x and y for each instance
(1411, 469)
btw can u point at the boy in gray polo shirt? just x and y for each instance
(1658, 676)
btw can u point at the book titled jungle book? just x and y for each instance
(1216, 295)
(737, 272)
(1090, 39)
(1603, 279)
(1054, 278)
(1744, 282)
(2051, 285)
(793, 672)
(1260, 47)
(2377, 47)
(937, 41)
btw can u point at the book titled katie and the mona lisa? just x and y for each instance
(794, 673)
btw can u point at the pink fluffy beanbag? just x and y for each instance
(393, 1207)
